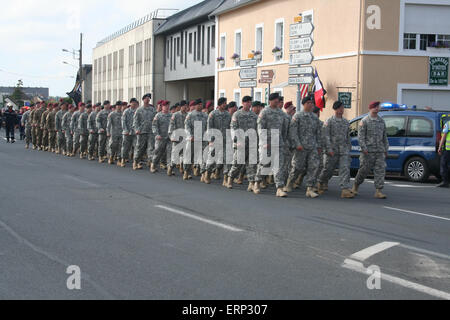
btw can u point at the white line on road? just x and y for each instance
(417, 213)
(211, 222)
(82, 181)
(358, 267)
(373, 250)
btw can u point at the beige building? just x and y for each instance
(374, 49)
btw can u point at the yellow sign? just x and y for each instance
(251, 55)
(298, 19)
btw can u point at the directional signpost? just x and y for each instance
(300, 45)
(248, 74)
(248, 63)
(247, 84)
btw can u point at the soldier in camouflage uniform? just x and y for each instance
(44, 129)
(220, 120)
(374, 145)
(101, 121)
(37, 125)
(128, 133)
(337, 151)
(114, 132)
(196, 159)
(93, 132)
(33, 129)
(244, 121)
(288, 154)
(84, 131)
(305, 133)
(160, 129)
(75, 129)
(142, 124)
(51, 127)
(65, 125)
(60, 138)
(176, 123)
(272, 119)
(26, 122)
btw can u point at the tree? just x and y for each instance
(18, 96)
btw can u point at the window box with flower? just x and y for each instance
(439, 46)
(257, 55)
(277, 52)
(236, 57)
(221, 61)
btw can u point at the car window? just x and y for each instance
(354, 126)
(420, 127)
(395, 126)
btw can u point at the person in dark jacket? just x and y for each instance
(10, 117)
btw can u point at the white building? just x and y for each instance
(124, 66)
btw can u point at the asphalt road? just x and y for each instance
(137, 235)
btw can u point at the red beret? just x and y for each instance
(288, 104)
(209, 104)
(160, 102)
(81, 104)
(374, 104)
(165, 103)
(192, 103)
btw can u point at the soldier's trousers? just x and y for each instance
(276, 170)
(92, 144)
(176, 157)
(28, 135)
(375, 161)
(288, 155)
(61, 141)
(52, 140)
(196, 159)
(162, 150)
(115, 143)
(238, 168)
(102, 141)
(128, 143)
(69, 142)
(305, 161)
(144, 144)
(76, 142)
(34, 136)
(211, 165)
(45, 138)
(84, 143)
(341, 160)
(39, 137)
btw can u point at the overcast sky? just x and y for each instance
(34, 32)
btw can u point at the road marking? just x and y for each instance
(211, 222)
(82, 181)
(358, 267)
(431, 253)
(417, 213)
(365, 254)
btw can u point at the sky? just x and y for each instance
(34, 32)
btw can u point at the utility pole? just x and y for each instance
(81, 64)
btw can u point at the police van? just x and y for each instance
(414, 136)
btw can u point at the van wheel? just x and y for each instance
(416, 170)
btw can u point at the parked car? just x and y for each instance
(414, 136)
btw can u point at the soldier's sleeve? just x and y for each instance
(72, 123)
(293, 132)
(24, 117)
(188, 126)
(320, 135)
(123, 121)
(89, 124)
(362, 135)
(109, 125)
(261, 123)
(155, 126)
(349, 138)
(171, 125)
(327, 136)
(98, 121)
(43, 119)
(136, 121)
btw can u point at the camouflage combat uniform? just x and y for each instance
(84, 132)
(129, 135)
(61, 141)
(142, 123)
(93, 134)
(160, 128)
(101, 121)
(65, 125)
(195, 156)
(44, 129)
(51, 127)
(26, 122)
(373, 139)
(218, 120)
(114, 132)
(176, 123)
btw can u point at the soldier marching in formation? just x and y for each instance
(308, 149)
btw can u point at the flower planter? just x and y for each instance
(221, 63)
(438, 50)
(277, 54)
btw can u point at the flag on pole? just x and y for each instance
(304, 88)
(319, 92)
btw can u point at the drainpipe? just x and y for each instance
(358, 76)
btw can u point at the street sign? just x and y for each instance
(265, 81)
(438, 71)
(301, 80)
(301, 58)
(301, 29)
(267, 74)
(249, 73)
(298, 44)
(346, 99)
(248, 84)
(301, 70)
(248, 63)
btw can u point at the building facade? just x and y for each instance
(123, 64)
(189, 58)
(371, 49)
(31, 92)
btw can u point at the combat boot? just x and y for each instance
(240, 181)
(181, 169)
(281, 193)
(230, 183)
(225, 180)
(185, 176)
(355, 189)
(91, 158)
(216, 175)
(170, 171)
(288, 187)
(196, 172)
(34, 147)
(310, 193)
(321, 188)
(270, 180)
(347, 194)
(251, 185)
(263, 184)
(380, 195)
(111, 160)
(256, 188)
(153, 168)
(27, 146)
(135, 166)
(207, 178)
(298, 182)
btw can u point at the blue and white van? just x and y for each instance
(414, 137)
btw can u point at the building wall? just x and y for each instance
(113, 80)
